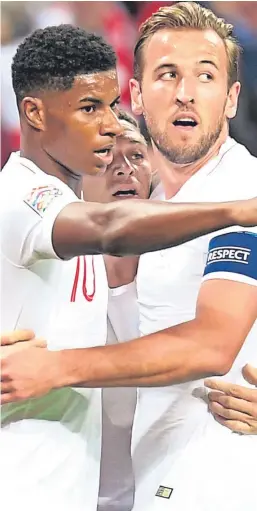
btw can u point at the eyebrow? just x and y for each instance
(92, 100)
(163, 66)
(174, 66)
(211, 62)
(133, 141)
(97, 101)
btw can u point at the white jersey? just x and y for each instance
(117, 480)
(183, 459)
(51, 446)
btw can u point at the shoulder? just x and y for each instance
(238, 167)
(22, 183)
(20, 171)
(234, 177)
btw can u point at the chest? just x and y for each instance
(168, 283)
(80, 315)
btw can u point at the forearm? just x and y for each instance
(144, 227)
(155, 360)
(134, 227)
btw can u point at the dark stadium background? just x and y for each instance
(118, 22)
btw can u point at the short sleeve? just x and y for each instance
(233, 256)
(27, 220)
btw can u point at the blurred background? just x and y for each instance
(118, 22)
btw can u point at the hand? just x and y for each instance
(20, 346)
(18, 340)
(15, 336)
(250, 374)
(234, 406)
(246, 213)
(29, 372)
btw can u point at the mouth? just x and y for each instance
(185, 123)
(126, 194)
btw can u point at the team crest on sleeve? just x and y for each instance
(39, 199)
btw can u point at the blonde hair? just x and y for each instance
(188, 15)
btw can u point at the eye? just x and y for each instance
(137, 156)
(89, 109)
(115, 105)
(205, 77)
(169, 75)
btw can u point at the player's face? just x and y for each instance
(184, 92)
(127, 177)
(81, 123)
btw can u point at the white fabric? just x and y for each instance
(176, 441)
(116, 491)
(29, 266)
(222, 275)
(123, 312)
(50, 447)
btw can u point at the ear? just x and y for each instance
(232, 100)
(136, 97)
(33, 111)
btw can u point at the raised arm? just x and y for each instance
(127, 228)
(56, 223)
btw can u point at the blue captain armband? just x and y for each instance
(233, 255)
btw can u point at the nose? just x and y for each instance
(111, 125)
(184, 92)
(123, 167)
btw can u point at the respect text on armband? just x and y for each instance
(236, 254)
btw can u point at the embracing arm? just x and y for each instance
(208, 345)
(205, 346)
(135, 227)
(225, 313)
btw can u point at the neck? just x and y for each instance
(34, 152)
(174, 176)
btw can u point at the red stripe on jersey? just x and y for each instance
(88, 297)
(75, 284)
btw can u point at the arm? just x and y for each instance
(123, 228)
(225, 312)
(235, 406)
(56, 223)
(207, 345)
(202, 347)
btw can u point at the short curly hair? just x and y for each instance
(50, 59)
